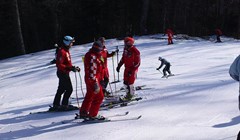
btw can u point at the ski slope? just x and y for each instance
(199, 103)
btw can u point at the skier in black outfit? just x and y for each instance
(64, 66)
(166, 68)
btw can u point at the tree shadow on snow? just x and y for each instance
(18, 115)
(38, 130)
(234, 121)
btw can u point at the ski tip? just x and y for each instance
(138, 98)
(139, 117)
(115, 82)
(77, 116)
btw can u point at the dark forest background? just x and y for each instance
(28, 26)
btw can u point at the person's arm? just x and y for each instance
(160, 65)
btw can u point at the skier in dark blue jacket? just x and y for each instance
(166, 68)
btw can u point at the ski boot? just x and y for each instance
(127, 97)
(67, 108)
(54, 108)
(164, 76)
(82, 115)
(107, 93)
(98, 117)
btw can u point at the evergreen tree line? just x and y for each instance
(28, 26)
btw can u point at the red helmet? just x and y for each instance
(128, 41)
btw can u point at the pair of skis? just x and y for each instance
(54, 111)
(141, 87)
(121, 103)
(112, 118)
(107, 105)
(167, 76)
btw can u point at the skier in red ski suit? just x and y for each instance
(105, 55)
(64, 66)
(93, 66)
(131, 61)
(169, 32)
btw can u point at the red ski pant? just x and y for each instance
(129, 76)
(170, 40)
(92, 101)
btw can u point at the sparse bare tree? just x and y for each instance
(20, 47)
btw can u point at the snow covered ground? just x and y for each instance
(199, 103)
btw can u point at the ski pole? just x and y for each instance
(117, 61)
(160, 72)
(76, 91)
(114, 72)
(81, 84)
(110, 88)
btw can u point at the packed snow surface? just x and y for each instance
(199, 103)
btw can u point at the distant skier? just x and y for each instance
(64, 66)
(105, 55)
(234, 72)
(131, 60)
(218, 34)
(169, 32)
(166, 68)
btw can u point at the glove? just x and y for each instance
(96, 88)
(118, 69)
(75, 69)
(113, 53)
(157, 68)
(117, 50)
(78, 69)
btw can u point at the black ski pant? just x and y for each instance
(218, 38)
(64, 87)
(104, 84)
(166, 69)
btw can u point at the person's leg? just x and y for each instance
(130, 85)
(95, 104)
(68, 88)
(169, 40)
(168, 68)
(86, 104)
(60, 90)
(165, 71)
